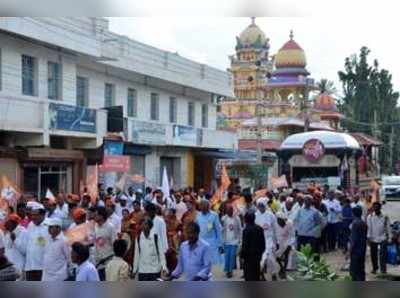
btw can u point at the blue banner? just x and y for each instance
(113, 148)
(72, 118)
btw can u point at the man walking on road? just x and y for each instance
(253, 247)
(378, 235)
(358, 245)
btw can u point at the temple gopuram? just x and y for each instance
(275, 93)
(282, 83)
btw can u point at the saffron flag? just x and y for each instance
(375, 191)
(216, 200)
(9, 191)
(92, 185)
(4, 210)
(80, 233)
(225, 181)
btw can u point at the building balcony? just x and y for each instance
(32, 121)
(160, 134)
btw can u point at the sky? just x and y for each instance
(327, 41)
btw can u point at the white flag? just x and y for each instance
(165, 183)
(50, 196)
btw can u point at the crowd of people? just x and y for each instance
(156, 236)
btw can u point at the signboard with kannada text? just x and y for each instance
(148, 133)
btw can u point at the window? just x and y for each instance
(191, 112)
(109, 94)
(82, 91)
(132, 103)
(28, 75)
(172, 110)
(155, 106)
(204, 115)
(54, 80)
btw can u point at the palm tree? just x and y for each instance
(327, 87)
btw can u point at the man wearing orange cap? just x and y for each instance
(14, 237)
(79, 217)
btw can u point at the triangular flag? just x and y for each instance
(50, 196)
(165, 183)
(225, 181)
(121, 183)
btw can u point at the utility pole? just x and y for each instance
(259, 113)
(375, 124)
(391, 144)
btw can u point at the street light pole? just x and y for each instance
(259, 107)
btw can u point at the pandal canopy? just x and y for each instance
(331, 140)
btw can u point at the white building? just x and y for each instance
(57, 75)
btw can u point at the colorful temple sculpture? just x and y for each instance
(280, 87)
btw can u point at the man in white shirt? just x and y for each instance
(232, 235)
(267, 221)
(86, 271)
(105, 235)
(35, 243)
(286, 240)
(149, 260)
(62, 207)
(159, 226)
(14, 237)
(378, 236)
(181, 207)
(56, 256)
(334, 214)
(114, 219)
(121, 205)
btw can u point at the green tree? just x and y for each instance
(327, 86)
(368, 95)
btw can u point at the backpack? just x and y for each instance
(155, 242)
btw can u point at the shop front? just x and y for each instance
(43, 168)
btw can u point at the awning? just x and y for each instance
(227, 154)
(131, 149)
(366, 140)
(330, 140)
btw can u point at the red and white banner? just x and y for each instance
(115, 163)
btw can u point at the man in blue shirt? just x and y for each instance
(307, 222)
(210, 231)
(194, 257)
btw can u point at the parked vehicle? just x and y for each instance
(391, 186)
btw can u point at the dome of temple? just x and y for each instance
(325, 102)
(290, 55)
(252, 34)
